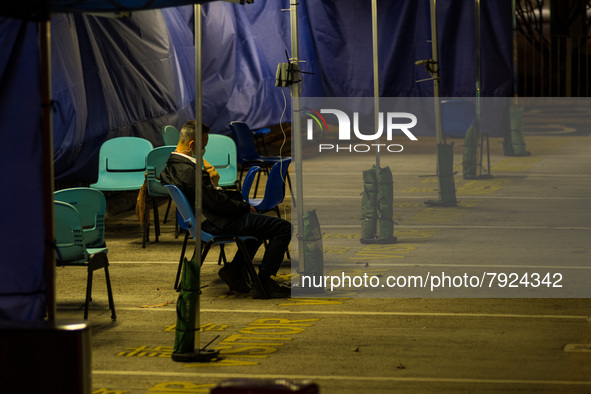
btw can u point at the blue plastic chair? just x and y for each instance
(248, 155)
(155, 163)
(92, 207)
(71, 251)
(274, 188)
(207, 239)
(170, 135)
(220, 152)
(122, 164)
(456, 117)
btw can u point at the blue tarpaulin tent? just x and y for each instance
(133, 75)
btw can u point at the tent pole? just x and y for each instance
(376, 78)
(48, 187)
(297, 133)
(447, 192)
(435, 58)
(198, 158)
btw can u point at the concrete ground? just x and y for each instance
(531, 217)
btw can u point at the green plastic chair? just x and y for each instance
(72, 251)
(92, 207)
(220, 152)
(170, 135)
(122, 164)
(155, 161)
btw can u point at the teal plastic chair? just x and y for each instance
(72, 251)
(122, 164)
(220, 152)
(207, 239)
(92, 207)
(170, 135)
(155, 162)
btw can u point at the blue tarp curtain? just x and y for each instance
(131, 76)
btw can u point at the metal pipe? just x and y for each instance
(198, 158)
(47, 143)
(435, 72)
(376, 78)
(297, 134)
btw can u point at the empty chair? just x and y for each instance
(71, 251)
(274, 188)
(122, 164)
(220, 152)
(170, 135)
(92, 207)
(247, 153)
(207, 240)
(155, 163)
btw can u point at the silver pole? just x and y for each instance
(198, 148)
(47, 141)
(435, 66)
(297, 133)
(478, 63)
(376, 78)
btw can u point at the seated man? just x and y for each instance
(227, 213)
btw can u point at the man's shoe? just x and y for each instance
(272, 290)
(234, 281)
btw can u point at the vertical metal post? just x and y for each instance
(198, 148)
(47, 141)
(478, 75)
(435, 72)
(296, 130)
(376, 78)
(515, 56)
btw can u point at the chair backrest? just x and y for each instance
(186, 212)
(247, 182)
(274, 188)
(155, 162)
(244, 142)
(122, 163)
(170, 135)
(68, 234)
(91, 206)
(220, 152)
(457, 116)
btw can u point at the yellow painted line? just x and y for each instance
(346, 378)
(370, 313)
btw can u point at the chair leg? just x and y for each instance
(251, 271)
(156, 219)
(110, 293)
(256, 186)
(167, 210)
(222, 256)
(88, 291)
(146, 224)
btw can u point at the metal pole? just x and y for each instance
(47, 141)
(515, 56)
(297, 132)
(478, 75)
(198, 148)
(376, 78)
(435, 72)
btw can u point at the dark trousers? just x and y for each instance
(277, 232)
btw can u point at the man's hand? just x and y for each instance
(253, 209)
